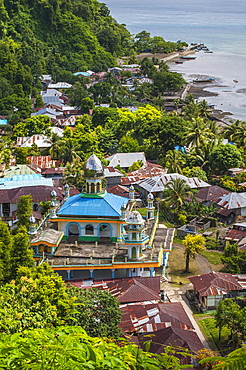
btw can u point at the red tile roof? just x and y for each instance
(214, 283)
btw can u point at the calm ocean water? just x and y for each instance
(219, 24)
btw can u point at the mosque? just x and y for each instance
(99, 235)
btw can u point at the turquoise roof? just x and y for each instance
(19, 181)
(97, 205)
(3, 122)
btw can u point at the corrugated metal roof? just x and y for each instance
(214, 283)
(19, 169)
(125, 160)
(211, 193)
(172, 336)
(158, 183)
(233, 201)
(151, 317)
(136, 289)
(106, 205)
(24, 180)
(38, 193)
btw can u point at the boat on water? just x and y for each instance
(236, 81)
(209, 79)
(179, 62)
(208, 51)
(188, 57)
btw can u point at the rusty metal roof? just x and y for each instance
(214, 283)
(148, 170)
(172, 336)
(235, 235)
(149, 317)
(38, 193)
(136, 289)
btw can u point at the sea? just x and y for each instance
(218, 24)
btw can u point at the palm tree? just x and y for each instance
(197, 133)
(204, 108)
(68, 150)
(54, 150)
(175, 161)
(177, 192)
(233, 130)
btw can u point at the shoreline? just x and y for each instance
(197, 90)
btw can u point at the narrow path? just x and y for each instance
(176, 295)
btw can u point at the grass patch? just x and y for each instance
(177, 240)
(176, 267)
(212, 257)
(210, 331)
(168, 224)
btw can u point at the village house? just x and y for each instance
(211, 288)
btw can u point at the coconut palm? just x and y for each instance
(204, 108)
(177, 191)
(175, 161)
(68, 150)
(234, 130)
(197, 133)
(55, 142)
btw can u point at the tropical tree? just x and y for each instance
(229, 314)
(197, 132)
(194, 244)
(21, 254)
(176, 192)
(97, 312)
(67, 347)
(224, 157)
(236, 132)
(6, 242)
(236, 360)
(175, 161)
(24, 211)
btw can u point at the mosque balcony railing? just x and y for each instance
(126, 240)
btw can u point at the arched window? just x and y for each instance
(98, 187)
(87, 188)
(92, 188)
(89, 230)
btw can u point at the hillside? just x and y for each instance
(54, 36)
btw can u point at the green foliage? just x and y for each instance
(71, 348)
(167, 81)
(21, 254)
(194, 244)
(24, 211)
(98, 312)
(231, 315)
(234, 259)
(44, 207)
(31, 126)
(195, 172)
(224, 157)
(135, 166)
(182, 219)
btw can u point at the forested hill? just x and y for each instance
(51, 36)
